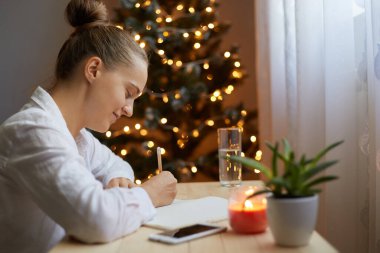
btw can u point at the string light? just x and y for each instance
(148, 27)
(185, 35)
(180, 7)
(253, 138)
(150, 144)
(138, 181)
(237, 64)
(126, 129)
(216, 93)
(169, 19)
(195, 133)
(142, 44)
(163, 151)
(159, 20)
(137, 5)
(175, 129)
(161, 52)
(137, 37)
(160, 40)
(108, 134)
(213, 99)
(170, 62)
(147, 3)
(137, 126)
(236, 74)
(227, 54)
(243, 113)
(209, 77)
(178, 63)
(177, 96)
(210, 122)
(194, 169)
(158, 11)
(259, 154)
(165, 98)
(143, 132)
(191, 10)
(120, 27)
(209, 9)
(211, 26)
(197, 45)
(166, 34)
(198, 34)
(206, 65)
(164, 120)
(123, 152)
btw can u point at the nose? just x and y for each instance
(127, 109)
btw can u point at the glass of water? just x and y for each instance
(229, 143)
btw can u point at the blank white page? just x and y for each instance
(182, 213)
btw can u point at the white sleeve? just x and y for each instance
(50, 170)
(104, 164)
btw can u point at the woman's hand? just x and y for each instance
(161, 189)
(120, 182)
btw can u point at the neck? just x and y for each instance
(69, 97)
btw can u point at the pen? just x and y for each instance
(159, 160)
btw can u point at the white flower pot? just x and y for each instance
(292, 220)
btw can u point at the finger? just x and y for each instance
(123, 182)
(113, 183)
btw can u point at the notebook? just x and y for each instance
(182, 213)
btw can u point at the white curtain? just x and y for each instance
(318, 75)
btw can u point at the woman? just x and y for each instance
(55, 177)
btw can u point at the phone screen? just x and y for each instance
(186, 231)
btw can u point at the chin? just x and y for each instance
(99, 129)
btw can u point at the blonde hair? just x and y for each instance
(94, 36)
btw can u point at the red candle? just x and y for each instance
(247, 215)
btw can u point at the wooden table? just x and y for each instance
(225, 242)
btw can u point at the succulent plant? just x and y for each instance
(297, 177)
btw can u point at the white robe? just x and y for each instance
(52, 184)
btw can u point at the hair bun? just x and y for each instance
(86, 13)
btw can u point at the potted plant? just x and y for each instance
(293, 199)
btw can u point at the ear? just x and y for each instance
(92, 68)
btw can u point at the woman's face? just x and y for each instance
(112, 94)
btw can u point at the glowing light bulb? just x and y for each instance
(150, 144)
(170, 62)
(237, 74)
(158, 11)
(243, 113)
(165, 98)
(178, 63)
(166, 34)
(210, 122)
(253, 138)
(108, 134)
(206, 65)
(195, 133)
(216, 93)
(194, 169)
(123, 152)
(197, 45)
(137, 5)
(137, 37)
(164, 120)
(211, 26)
(180, 7)
(209, 77)
(237, 64)
(143, 132)
(120, 27)
(142, 44)
(126, 129)
(169, 19)
(198, 33)
(185, 35)
(209, 9)
(161, 52)
(159, 20)
(138, 181)
(160, 40)
(191, 10)
(138, 126)
(213, 99)
(227, 54)
(175, 129)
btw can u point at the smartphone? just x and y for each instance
(186, 233)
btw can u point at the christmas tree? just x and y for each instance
(189, 76)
